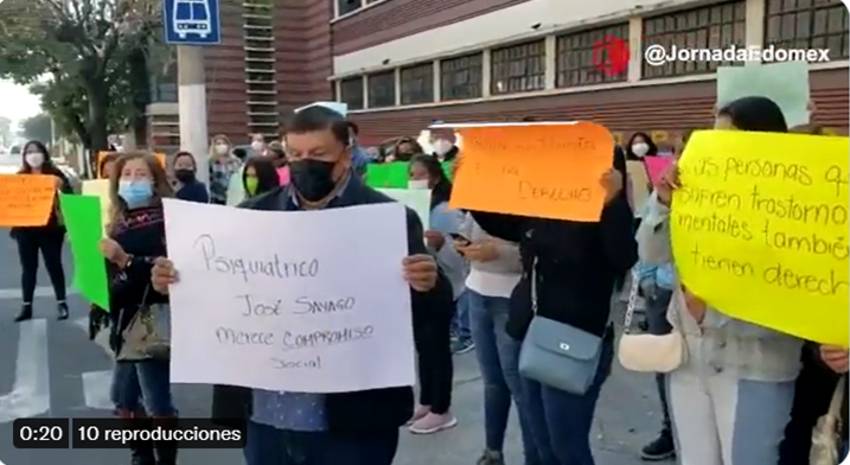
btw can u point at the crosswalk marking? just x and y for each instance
(40, 291)
(30, 393)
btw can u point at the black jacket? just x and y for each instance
(577, 263)
(194, 191)
(363, 411)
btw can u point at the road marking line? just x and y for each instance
(40, 291)
(30, 394)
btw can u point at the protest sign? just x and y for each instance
(638, 185)
(295, 311)
(656, 166)
(26, 199)
(759, 229)
(548, 170)
(417, 199)
(82, 215)
(786, 83)
(100, 189)
(395, 175)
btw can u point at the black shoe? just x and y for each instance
(141, 453)
(63, 311)
(26, 313)
(166, 453)
(660, 449)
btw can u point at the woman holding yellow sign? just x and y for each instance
(731, 398)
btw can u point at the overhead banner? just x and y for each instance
(546, 170)
(760, 229)
(26, 199)
(297, 311)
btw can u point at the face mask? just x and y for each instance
(251, 185)
(185, 176)
(313, 179)
(442, 147)
(417, 184)
(135, 193)
(35, 159)
(640, 149)
(221, 149)
(257, 146)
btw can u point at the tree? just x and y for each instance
(5, 131)
(37, 128)
(84, 47)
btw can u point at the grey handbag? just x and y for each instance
(149, 333)
(557, 354)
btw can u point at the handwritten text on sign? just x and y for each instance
(541, 170)
(760, 229)
(295, 311)
(26, 199)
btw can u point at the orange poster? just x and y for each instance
(26, 199)
(546, 170)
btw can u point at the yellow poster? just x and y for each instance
(100, 189)
(760, 229)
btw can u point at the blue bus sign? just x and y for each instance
(191, 22)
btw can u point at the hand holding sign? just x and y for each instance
(547, 170)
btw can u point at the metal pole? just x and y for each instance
(192, 107)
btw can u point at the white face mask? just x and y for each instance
(34, 159)
(640, 149)
(417, 184)
(442, 146)
(257, 146)
(221, 149)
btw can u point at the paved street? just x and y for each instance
(49, 368)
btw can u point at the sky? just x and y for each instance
(18, 103)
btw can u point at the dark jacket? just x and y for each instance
(362, 411)
(195, 191)
(577, 263)
(141, 234)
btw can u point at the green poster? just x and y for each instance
(394, 175)
(787, 84)
(82, 217)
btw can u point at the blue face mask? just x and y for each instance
(135, 193)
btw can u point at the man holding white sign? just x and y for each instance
(320, 327)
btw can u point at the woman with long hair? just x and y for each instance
(223, 165)
(48, 238)
(259, 176)
(433, 335)
(136, 235)
(731, 399)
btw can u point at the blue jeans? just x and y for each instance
(561, 421)
(460, 320)
(268, 445)
(148, 380)
(498, 359)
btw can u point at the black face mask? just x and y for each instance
(184, 176)
(312, 178)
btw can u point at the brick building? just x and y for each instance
(400, 64)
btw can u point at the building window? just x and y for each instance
(382, 90)
(519, 68)
(351, 91)
(804, 24)
(417, 84)
(594, 56)
(460, 78)
(347, 6)
(709, 27)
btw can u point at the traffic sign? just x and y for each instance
(191, 22)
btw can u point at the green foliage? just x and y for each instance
(76, 52)
(37, 128)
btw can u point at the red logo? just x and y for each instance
(611, 56)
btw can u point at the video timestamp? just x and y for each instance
(41, 433)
